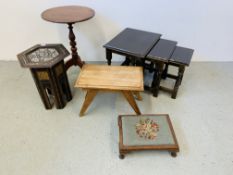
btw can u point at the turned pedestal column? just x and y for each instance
(69, 15)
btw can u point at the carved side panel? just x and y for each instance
(59, 70)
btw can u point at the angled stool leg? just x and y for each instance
(129, 97)
(91, 93)
(137, 95)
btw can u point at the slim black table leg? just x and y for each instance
(164, 74)
(157, 79)
(178, 81)
(109, 56)
(181, 73)
(126, 62)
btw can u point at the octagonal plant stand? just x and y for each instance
(46, 63)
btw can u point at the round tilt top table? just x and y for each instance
(69, 15)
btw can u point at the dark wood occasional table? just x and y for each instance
(155, 54)
(132, 43)
(69, 15)
(167, 53)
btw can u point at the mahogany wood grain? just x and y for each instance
(68, 14)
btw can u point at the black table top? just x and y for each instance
(182, 55)
(162, 50)
(133, 42)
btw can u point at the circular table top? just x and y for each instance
(68, 14)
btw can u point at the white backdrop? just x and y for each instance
(205, 25)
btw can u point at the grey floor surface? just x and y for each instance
(35, 141)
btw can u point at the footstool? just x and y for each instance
(146, 132)
(95, 78)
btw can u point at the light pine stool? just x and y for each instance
(127, 80)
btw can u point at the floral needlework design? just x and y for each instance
(147, 128)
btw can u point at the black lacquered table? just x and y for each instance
(166, 54)
(147, 49)
(131, 43)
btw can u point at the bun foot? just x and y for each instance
(173, 154)
(121, 156)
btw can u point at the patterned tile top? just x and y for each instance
(43, 56)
